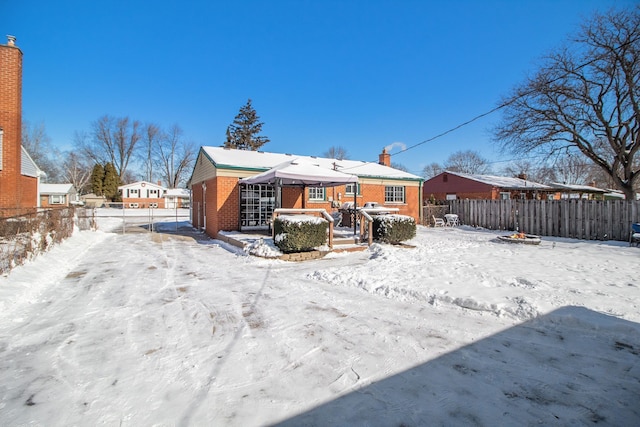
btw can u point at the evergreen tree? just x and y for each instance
(97, 180)
(111, 182)
(242, 133)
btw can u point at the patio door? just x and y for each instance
(257, 202)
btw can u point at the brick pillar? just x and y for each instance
(11, 125)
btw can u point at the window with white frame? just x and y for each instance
(57, 199)
(394, 194)
(351, 189)
(505, 195)
(316, 193)
(133, 192)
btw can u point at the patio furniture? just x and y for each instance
(452, 220)
(337, 218)
(635, 234)
(437, 222)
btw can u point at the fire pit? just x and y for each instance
(527, 239)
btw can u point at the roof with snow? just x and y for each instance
(56, 188)
(262, 161)
(577, 188)
(178, 192)
(301, 172)
(504, 182)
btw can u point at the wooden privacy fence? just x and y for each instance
(573, 218)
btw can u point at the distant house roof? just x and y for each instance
(577, 188)
(56, 189)
(504, 182)
(260, 161)
(178, 192)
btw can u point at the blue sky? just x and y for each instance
(358, 74)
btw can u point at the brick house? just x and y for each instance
(176, 198)
(221, 203)
(19, 175)
(55, 195)
(455, 185)
(143, 194)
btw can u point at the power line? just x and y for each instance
(512, 100)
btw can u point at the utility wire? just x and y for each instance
(512, 100)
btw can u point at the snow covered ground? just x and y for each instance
(143, 329)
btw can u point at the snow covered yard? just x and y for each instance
(159, 329)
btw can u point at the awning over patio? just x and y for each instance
(301, 173)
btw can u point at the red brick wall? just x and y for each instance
(44, 203)
(370, 193)
(29, 191)
(11, 193)
(222, 202)
(446, 183)
(292, 198)
(228, 203)
(143, 202)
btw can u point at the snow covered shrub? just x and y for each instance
(299, 233)
(393, 228)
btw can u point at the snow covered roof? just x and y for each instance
(577, 188)
(263, 161)
(300, 171)
(504, 182)
(56, 188)
(178, 192)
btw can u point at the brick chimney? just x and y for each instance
(384, 158)
(11, 194)
(522, 175)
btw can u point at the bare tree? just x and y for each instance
(113, 140)
(76, 171)
(400, 167)
(38, 144)
(336, 152)
(432, 170)
(585, 98)
(532, 171)
(175, 157)
(572, 169)
(151, 136)
(467, 162)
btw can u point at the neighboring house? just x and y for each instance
(454, 185)
(19, 175)
(573, 191)
(92, 200)
(221, 203)
(143, 194)
(58, 195)
(177, 198)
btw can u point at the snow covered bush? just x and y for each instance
(393, 228)
(299, 233)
